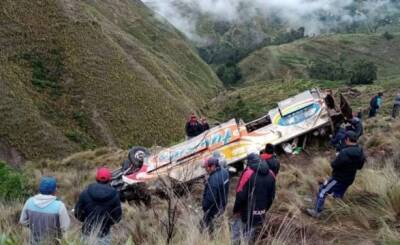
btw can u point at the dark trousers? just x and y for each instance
(396, 110)
(331, 186)
(372, 112)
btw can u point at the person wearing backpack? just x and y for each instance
(375, 104)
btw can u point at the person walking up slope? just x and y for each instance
(344, 168)
(375, 104)
(99, 208)
(45, 215)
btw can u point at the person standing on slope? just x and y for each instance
(396, 106)
(338, 140)
(344, 168)
(254, 196)
(356, 126)
(99, 208)
(270, 158)
(216, 190)
(204, 124)
(193, 127)
(45, 215)
(375, 104)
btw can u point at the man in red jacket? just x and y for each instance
(254, 196)
(270, 158)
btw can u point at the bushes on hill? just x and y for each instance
(229, 74)
(387, 36)
(363, 72)
(327, 71)
(13, 183)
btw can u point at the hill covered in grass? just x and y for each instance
(80, 74)
(275, 73)
(294, 59)
(367, 215)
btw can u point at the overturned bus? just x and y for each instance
(296, 116)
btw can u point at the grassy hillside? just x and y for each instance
(367, 215)
(275, 62)
(274, 73)
(80, 74)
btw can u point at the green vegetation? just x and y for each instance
(229, 74)
(113, 74)
(363, 72)
(13, 184)
(328, 71)
(80, 138)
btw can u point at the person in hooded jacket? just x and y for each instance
(356, 126)
(270, 158)
(99, 208)
(255, 193)
(45, 215)
(338, 139)
(344, 168)
(216, 190)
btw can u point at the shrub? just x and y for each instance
(328, 71)
(80, 138)
(13, 183)
(229, 74)
(363, 72)
(387, 36)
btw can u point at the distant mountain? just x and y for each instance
(80, 74)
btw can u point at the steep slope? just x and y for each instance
(75, 74)
(274, 73)
(274, 62)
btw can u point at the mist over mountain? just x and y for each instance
(316, 16)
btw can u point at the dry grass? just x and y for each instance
(368, 214)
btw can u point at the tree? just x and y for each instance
(229, 74)
(363, 72)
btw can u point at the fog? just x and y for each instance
(315, 15)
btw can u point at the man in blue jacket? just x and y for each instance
(344, 168)
(216, 190)
(45, 215)
(99, 208)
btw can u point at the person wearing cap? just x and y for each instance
(193, 127)
(255, 193)
(270, 158)
(344, 168)
(216, 190)
(45, 215)
(375, 104)
(99, 208)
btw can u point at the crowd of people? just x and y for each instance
(99, 205)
